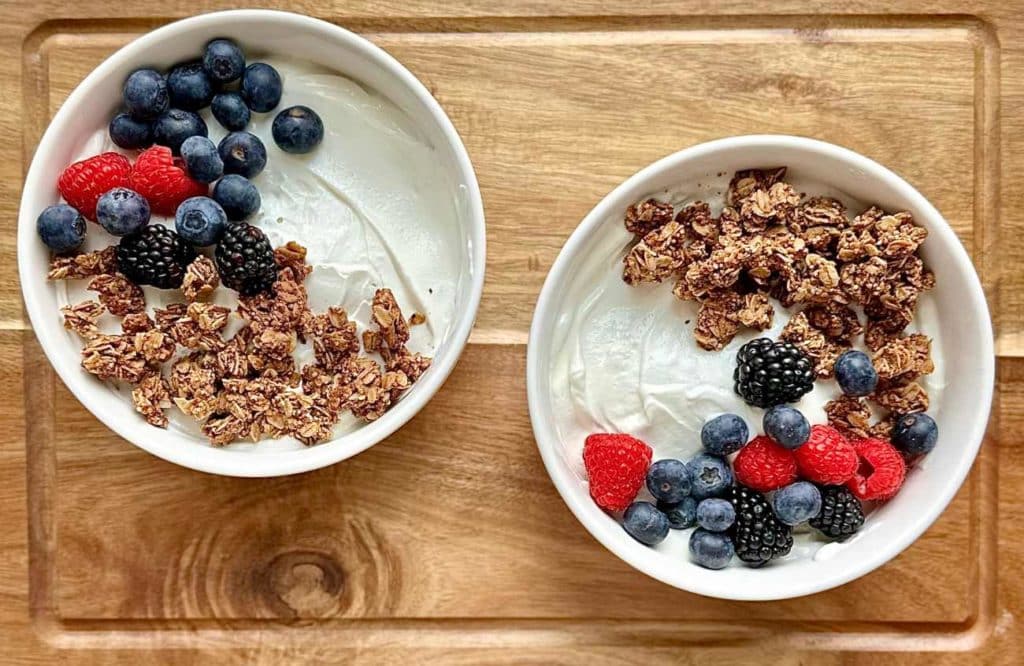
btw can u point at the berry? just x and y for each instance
(827, 457)
(160, 178)
(237, 196)
(797, 502)
(172, 127)
(189, 86)
(723, 435)
(757, 534)
(61, 227)
(680, 516)
(771, 373)
(616, 466)
(122, 211)
(129, 133)
(764, 465)
(787, 426)
(200, 221)
(243, 153)
(223, 61)
(715, 515)
(668, 481)
(230, 111)
(710, 476)
(202, 161)
(710, 550)
(645, 523)
(915, 434)
(145, 94)
(855, 373)
(245, 260)
(881, 472)
(82, 183)
(261, 87)
(298, 129)
(841, 513)
(154, 255)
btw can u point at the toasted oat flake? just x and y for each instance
(82, 318)
(118, 294)
(151, 397)
(646, 216)
(88, 264)
(201, 279)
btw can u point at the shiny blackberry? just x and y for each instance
(770, 373)
(757, 534)
(245, 259)
(841, 513)
(154, 255)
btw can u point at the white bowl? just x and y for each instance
(969, 365)
(90, 107)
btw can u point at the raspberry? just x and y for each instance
(616, 468)
(161, 178)
(827, 457)
(83, 183)
(881, 470)
(763, 465)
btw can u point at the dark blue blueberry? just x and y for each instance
(61, 227)
(855, 373)
(129, 133)
(715, 515)
(223, 61)
(710, 476)
(189, 86)
(200, 221)
(122, 211)
(145, 94)
(797, 502)
(724, 434)
(261, 87)
(298, 129)
(202, 161)
(174, 126)
(787, 426)
(711, 550)
(237, 196)
(682, 515)
(230, 111)
(668, 480)
(915, 434)
(645, 523)
(243, 153)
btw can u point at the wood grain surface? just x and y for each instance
(447, 542)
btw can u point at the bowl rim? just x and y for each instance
(607, 532)
(225, 461)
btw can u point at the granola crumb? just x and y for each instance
(82, 318)
(88, 264)
(850, 416)
(151, 397)
(114, 357)
(201, 279)
(417, 319)
(646, 216)
(118, 294)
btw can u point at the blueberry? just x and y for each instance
(145, 94)
(122, 211)
(243, 153)
(174, 126)
(61, 227)
(710, 476)
(202, 161)
(668, 480)
(682, 515)
(200, 221)
(855, 373)
(237, 196)
(787, 426)
(915, 434)
(189, 86)
(129, 133)
(724, 434)
(261, 87)
(715, 515)
(223, 61)
(645, 523)
(298, 129)
(711, 550)
(797, 502)
(230, 111)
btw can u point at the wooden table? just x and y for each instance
(447, 542)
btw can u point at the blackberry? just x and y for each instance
(154, 255)
(757, 534)
(245, 259)
(841, 513)
(770, 373)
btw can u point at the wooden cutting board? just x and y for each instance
(447, 542)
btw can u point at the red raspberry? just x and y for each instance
(616, 467)
(827, 457)
(881, 473)
(764, 465)
(83, 183)
(161, 178)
